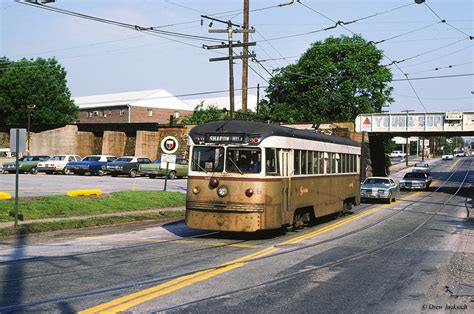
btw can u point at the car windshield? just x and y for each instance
(376, 181)
(26, 158)
(414, 175)
(91, 158)
(57, 158)
(421, 165)
(206, 158)
(123, 159)
(40, 158)
(243, 160)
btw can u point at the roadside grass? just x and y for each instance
(64, 206)
(36, 227)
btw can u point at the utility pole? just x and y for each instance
(230, 45)
(245, 60)
(407, 138)
(258, 98)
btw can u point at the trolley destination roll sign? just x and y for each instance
(226, 138)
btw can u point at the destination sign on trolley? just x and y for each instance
(225, 138)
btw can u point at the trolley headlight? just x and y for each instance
(222, 191)
(249, 192)
(196, 190)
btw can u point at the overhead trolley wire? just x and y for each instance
(124, 25)
(447, 23)
(390, 59)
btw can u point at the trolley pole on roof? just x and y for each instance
(230, 30)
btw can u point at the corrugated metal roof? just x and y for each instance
(155, 98)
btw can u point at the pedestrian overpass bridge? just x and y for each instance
(446, 124)
(380, 126)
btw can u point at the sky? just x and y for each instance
(102, 58)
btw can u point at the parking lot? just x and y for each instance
(42, 184)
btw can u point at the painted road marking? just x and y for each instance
(454, 165)
(134, 299)
(242, 245)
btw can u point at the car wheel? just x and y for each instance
(152, 176)
(34, 170)
(67, 171)
(100, 173)
(172, 175)
(133, 173)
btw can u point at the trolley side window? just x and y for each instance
(304, 164)
(207, 159)
(296, 162)
(271, 156)
(244, 160)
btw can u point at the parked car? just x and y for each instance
(447, 156)
(397, 154)
(415, 180)
(154, 169)
(57, 163)
(90, 164)
(379, 188)
(26, 164)
(126, 165)
(421, 167)
(461, 154)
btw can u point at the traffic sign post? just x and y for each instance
(17, 145)
(169, 145)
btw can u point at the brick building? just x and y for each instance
(132, 107)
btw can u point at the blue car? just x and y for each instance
(90, 164)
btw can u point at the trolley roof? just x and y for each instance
(264, 130)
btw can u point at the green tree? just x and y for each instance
(334, 80)
(40, 82)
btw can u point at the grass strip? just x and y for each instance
(36, 227)
(64, 206)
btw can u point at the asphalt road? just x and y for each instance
(60, 184)
(414, 255)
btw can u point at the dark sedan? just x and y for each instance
(126, 165)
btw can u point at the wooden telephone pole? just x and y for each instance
(230, 45)
(245, 60)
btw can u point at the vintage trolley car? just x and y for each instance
(248, 176)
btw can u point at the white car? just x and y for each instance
(421, 167)
(460, 154)
(447, 157)
(57, 163)
(397, 154)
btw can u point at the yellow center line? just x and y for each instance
(454, 165)
(241, 245)
(134, 299)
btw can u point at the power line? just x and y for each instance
(396, 64)
(124, 25)
(442, 68)
(432, 77)
(444, 21)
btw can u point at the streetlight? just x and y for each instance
(406, 143)
(29, 107)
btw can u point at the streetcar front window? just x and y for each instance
(207, 158)
(244, 160)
